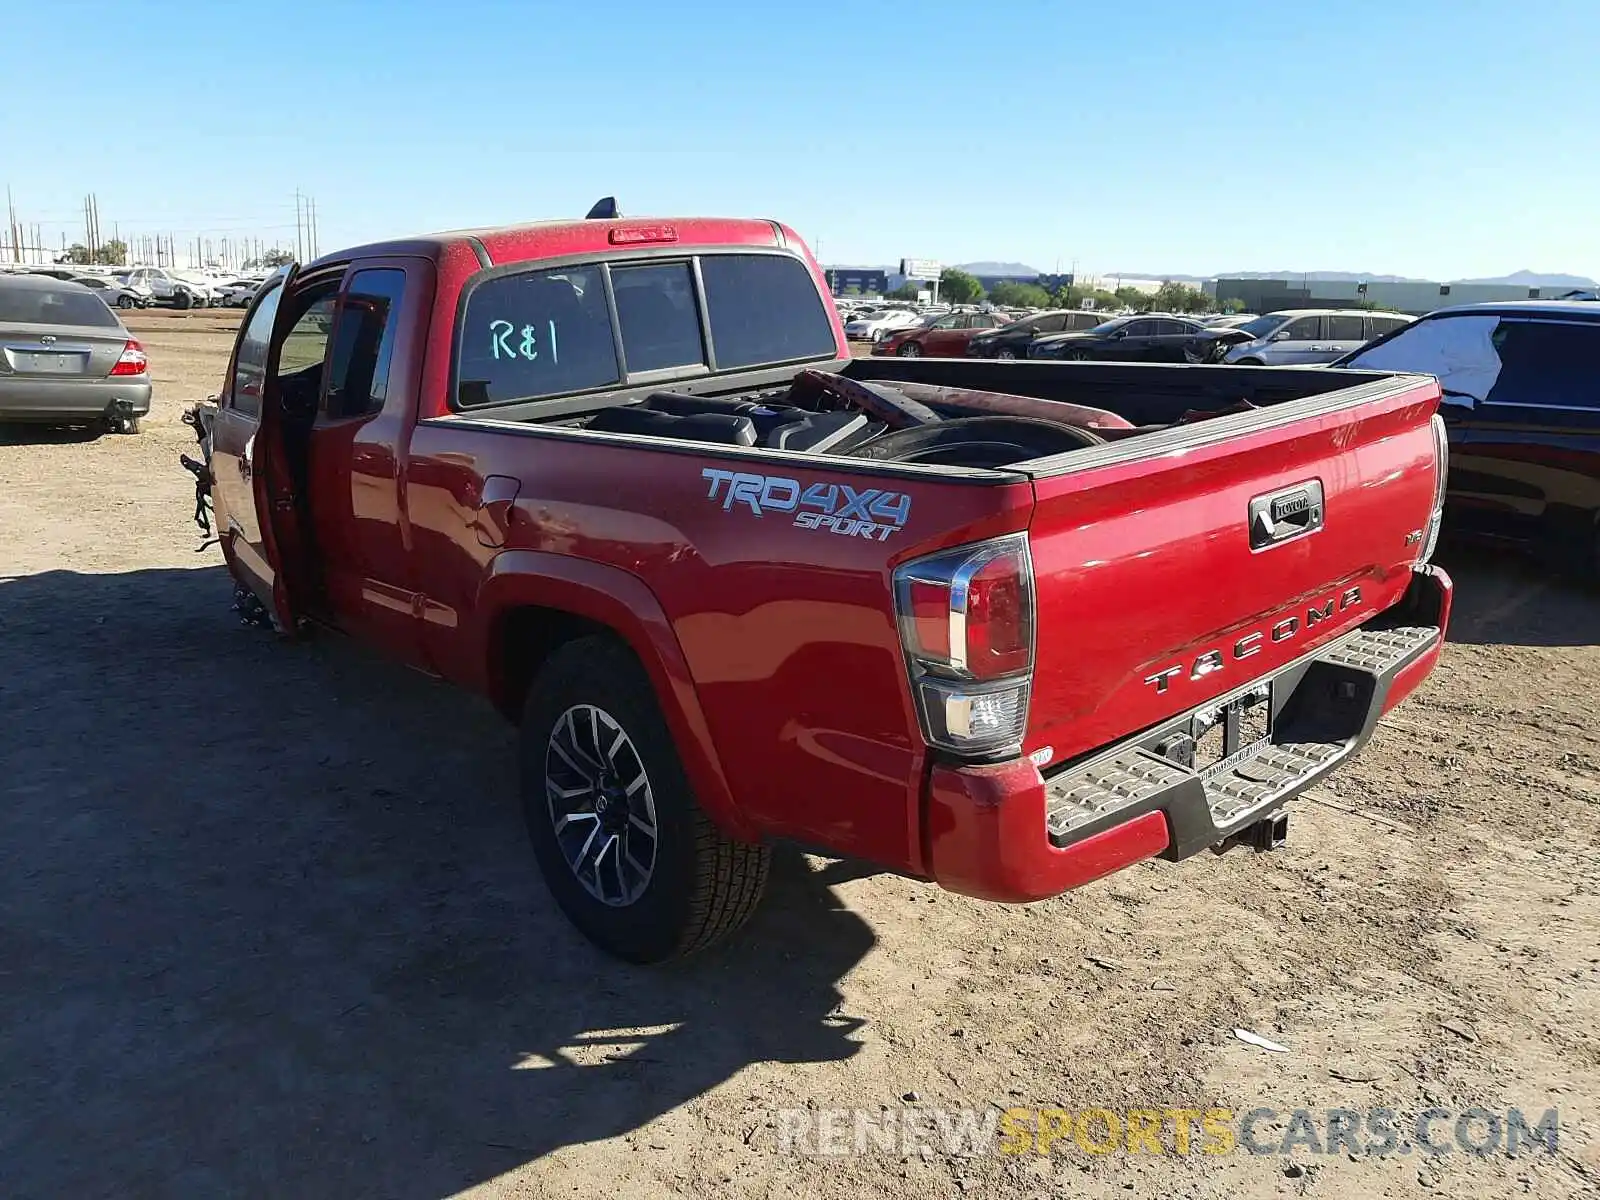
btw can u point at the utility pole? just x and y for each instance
(315, 246)
(299, 244)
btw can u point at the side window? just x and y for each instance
(363, 344)
(1055, 324)
(1140, 328)
(1547, 363)
(1382, 325)
(1171, 328)
(955, 322)
(306, 344)
(764, 308)
(250, 363)
(659, 319)
(535, 334)
(1305, 329)
(1343, 328)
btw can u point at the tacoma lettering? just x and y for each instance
(1208, 662)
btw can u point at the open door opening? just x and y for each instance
(295, 366)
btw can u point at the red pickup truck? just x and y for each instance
(1004, 626)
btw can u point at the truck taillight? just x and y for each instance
(132, 360)
(1441, 479)
(966, 623)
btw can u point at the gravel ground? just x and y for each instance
(268, 925)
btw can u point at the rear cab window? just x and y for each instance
(543, 333)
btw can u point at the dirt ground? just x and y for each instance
(269, 927)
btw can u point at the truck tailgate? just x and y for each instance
(1173, 568)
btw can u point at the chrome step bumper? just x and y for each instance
(1324, 708)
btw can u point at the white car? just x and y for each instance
(239, 293)
(114, 292)
(879, 324)
(169, 287)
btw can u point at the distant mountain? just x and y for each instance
(1536, 279)
(1321, 276)
(1006, 269)
(1530, 279)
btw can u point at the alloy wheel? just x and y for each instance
(601, 805)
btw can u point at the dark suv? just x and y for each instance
(1521, 384)
(1013, 340)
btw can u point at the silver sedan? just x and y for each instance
(66, 359)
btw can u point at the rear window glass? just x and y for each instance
(543, 333)
(763, 308)
(659, 317)
(27, 303)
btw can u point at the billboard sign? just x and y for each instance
(920, 268)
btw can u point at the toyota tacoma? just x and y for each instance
(1004, 626)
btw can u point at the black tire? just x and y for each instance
(1249, 362)
(182, 300)
(909, 350)
(1076, 355)
(1007, 354)
(125, 301)
(701, 886)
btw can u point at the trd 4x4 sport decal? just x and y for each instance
(835, 507)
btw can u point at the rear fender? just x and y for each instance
(622, 603)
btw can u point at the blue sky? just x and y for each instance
(1438, 138)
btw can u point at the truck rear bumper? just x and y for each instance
(1005, 832)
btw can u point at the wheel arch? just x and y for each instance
(533, 602)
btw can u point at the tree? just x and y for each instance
(1233, 305)
(1176, 297)
(1132, 297)
(958, 287)
(1019, 295)
(906, 291)
(112, 254)
(1074, 296)
(276, 258)
(78, 254)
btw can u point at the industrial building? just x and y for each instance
(1413, 296)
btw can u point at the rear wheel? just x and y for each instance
(1249, 362)
(125, 301)
(1007, 354)
(627, 853)
(1076, 356)
(910, 350)
(182, 300)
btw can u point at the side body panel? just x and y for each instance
(774, 639)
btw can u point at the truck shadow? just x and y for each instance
(268, 925)
(1505, 598)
